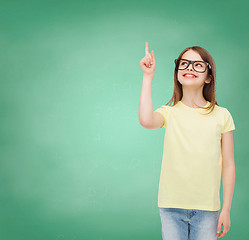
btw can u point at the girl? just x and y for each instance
(198, 144)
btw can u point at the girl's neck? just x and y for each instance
(191, 102)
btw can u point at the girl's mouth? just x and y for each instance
(187, 75)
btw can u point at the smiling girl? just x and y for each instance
(198, 146)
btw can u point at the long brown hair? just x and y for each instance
(209, 90)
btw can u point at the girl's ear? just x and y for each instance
(208, 80)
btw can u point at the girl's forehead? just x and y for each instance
(192, 55)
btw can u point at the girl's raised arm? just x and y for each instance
(147, 118)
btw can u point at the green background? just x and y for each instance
(75, 163)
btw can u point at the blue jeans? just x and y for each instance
(188, 224)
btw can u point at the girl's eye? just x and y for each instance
(199, 64)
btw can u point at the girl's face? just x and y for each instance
(200, 79)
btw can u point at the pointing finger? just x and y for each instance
(147, 48)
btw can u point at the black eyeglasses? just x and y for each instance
(198, 66)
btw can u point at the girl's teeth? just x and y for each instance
(187, 75)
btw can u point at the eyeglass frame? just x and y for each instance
(192, 62)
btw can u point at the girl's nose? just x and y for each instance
(190, 67)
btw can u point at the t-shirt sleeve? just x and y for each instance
(163, 110)
(228, 122)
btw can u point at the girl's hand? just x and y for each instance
(224, 219)
(148, 63)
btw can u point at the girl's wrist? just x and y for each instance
(148, 78)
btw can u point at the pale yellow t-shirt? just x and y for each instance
(192, 160)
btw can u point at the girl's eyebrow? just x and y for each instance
(193, 60)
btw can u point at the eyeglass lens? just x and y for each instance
(198, 66)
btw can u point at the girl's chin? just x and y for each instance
(188, 81)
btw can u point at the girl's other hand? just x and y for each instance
(148, 63)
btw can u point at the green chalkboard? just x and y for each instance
(75, 164)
